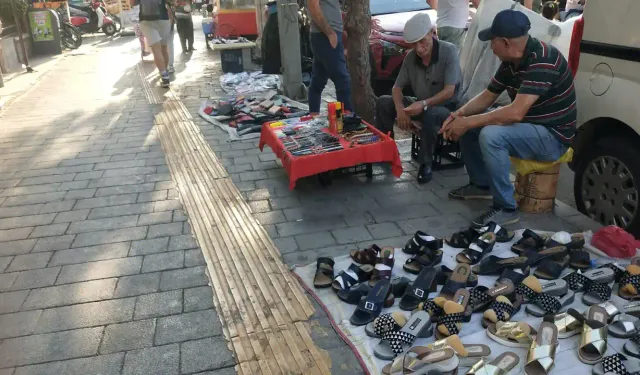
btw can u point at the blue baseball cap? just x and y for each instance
(507, 24)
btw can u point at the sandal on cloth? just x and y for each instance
(632, 308)
(416, 263)
(629, 285)
(353, 295)
(514, 276)
(396, 342)
(612, 310)
(544, 304)
(450, 322)
(513, 334)
(458, 280)
(542, 353)
(531, 287)
(566, 324)
(632, 347)
(617, 269)
(385, 323)
(578, 280)
(477, 249)
(557, 253)
(481, 296)
(422, 242)
(501, 310)
(570, 241)
(445, 272)
(468, 354)
(549, 269)
(419, 290)
(500, 365)
(624, 326)
(617, 364)
(593, 343)
(595, 293)
(366, 256)
(579, 259)
(370, 306)
(530, 241)
(462, 239)
(494, 265)
(421, 360)
(384, 265)
(353, 275)
(324, 273)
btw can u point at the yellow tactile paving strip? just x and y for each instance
(262, 307)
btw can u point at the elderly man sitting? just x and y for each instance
(432, 70)
(539, 124)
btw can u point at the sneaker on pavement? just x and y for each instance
(498, 215)
(425, 174)
(165, 80)
(470, 191)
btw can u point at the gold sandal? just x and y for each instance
(567, 325)
(513, 334)
(593, 343)
(468, 354)
(542, 353)
(501, 365)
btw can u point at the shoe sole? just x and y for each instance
(503, 223)
(468, 197)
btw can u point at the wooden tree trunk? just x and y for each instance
(357, 25)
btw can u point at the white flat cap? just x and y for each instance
(417, 27)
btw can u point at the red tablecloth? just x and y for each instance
(297, 167)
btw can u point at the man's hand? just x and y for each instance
(453, 130)
(414, 109)
(333, 39)
(449, 120)
(403, 120)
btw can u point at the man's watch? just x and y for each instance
(424, 105)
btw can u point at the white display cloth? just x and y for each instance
(567, 361)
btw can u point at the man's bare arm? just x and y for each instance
(433, 3)
(441, 97)
(528, 4)
(478, 104)
(507, 115)
(318, 18)
(398, 97)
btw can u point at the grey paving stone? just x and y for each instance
(223, 371)
(258, 194)
(123, 210)
(103, 224)
(183, 278)
(128, 336)
(188, 326)
(29, 261)
(88, 175)
(36, 278)
(314, 240)
(69, 216)
(308, 226)
(384, 230)
(159, 304)
(127, 189)
(99, 270)
(109, 236)
(264, 165)
(193, 257)
(11, 301)
(18, 324)
(162, 230)
(164, 185)
(199, 298)
(156, 245)
(54, 243)
(20, 210)
(283, 203)
(137, 284)
(351, 235)
(323, 334)
(310, 256)
(163, 261)
(8, 371)
(99, 365)
(152, 196)
(113, 200)
(4, 262)
(90, 254)
(158, 360)
(36, 189)
(239, 168)
(86, 315)
(60, 295)
(286, 244)
(168, 205)
(207, 354)
(50, 347)
(129, 171)
(349, 365)
(117, 181)
(387, 214)
(15, 234)
(23, 200)
(436, 226)
(49, 230)
(271, 217)
(259, 206)
(246, 160)
(60, 206)
(72, 162)
(74, 185)
(182, 242)
(179, 215)
(26, 221)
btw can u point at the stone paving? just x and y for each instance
(98, 271)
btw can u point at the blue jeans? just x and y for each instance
(328, 63)
(486, 151)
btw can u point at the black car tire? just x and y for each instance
(617, 157)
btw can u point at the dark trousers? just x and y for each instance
(431, 120)
(328, 63)
(185, 32)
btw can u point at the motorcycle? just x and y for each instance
(70, 36)
(92, 18)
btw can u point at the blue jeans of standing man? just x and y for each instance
(328, 63)
(486, 151)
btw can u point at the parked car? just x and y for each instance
(607, 145)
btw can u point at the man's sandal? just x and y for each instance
(542, 353)
(530, 241)
(421, 242)
(477, 249)
(462, 239)
(366, 256)
(324, 273)
(353, 275)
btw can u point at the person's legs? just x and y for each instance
(336, 66)
(152, 34)
(190, 33)
(168, 52)
(319, 74)
(181, 26)
(385, 114)
(432, 120)
(478, 186)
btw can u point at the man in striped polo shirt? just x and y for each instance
(539, 124)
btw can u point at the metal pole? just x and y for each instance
(19, 26)
(290, 49)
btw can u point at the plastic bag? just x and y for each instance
(524, 167)
(615, 242)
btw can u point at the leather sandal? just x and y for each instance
(579, 259)
(419, 289)
(542, 353)
(421, 242)
(477, 249)
(416, 263)
(462, 239)
(355, 274)
(384, 265)
(366, 256)
(352, 296)
(494, 265)
(324, 273)
(445, 273)
(530, 241)
(458, 280)
(370, 306)
(570, 241)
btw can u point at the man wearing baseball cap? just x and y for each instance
(539, 124)
(432, 70)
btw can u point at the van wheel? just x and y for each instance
(607, 184)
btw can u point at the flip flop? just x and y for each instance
(355, 274)
(370, 306)
(481, 296)
(530, 241)
(566, 324)
(445, 272)
(579, 259)
(366, 256)
(544, 304)
(494, 265)
(352, 296)
(632, 347)
(324, 273)
(624, 326)
(468, 354)
(450, 322)
(542, 353)
(421, 360)
(419, 290)
(477, 249)
(504, 364)
(513, 334)
(501, 310)
(384, 265)
(394, 343)
(617, 364)
(421, 242)
(416, 263)
(593, 344)
(385, 323)
(570, 241)
(458, 280)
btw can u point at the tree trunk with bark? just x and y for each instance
(357, 25)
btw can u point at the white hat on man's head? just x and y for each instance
(417, 27)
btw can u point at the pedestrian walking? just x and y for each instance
(155, 24)
(184, 24)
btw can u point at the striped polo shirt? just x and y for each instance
(543, 72)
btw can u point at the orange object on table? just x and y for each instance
(298, 167)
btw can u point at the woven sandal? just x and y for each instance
(384, 265)
(477, 249)
(385, 323)
(579, 281)
(617, 364)
(366, 256)
(324, 273)
(504, 364)
(422, 242)
(355, 274)
(593, 344)
(396, 342)
(542, 353)
(513, 334)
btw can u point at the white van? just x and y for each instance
(607, 146)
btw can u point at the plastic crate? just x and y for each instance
(232, 61)
(207, 27)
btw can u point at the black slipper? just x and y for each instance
(514, 276)
(462, 239)
(370, 306)
(324, 273)
(577, 242)
(416, 263)
(352, 296)
(494, 265)
(549, 270)
(579, 259)
(458, 280)
(445, 272)
(530, 241)
(422, 242)
(554, 253)
(502, 234)
(481, 246)
(419, 290)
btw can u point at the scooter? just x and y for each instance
(92, 18)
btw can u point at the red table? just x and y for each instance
(297, 167)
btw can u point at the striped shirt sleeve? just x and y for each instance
(538, 81)
(498, 81)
